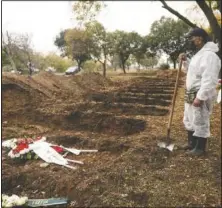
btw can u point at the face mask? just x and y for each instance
(191, 45)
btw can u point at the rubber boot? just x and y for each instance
(191, 141)
(200, 147)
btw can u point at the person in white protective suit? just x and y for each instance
(202, 77)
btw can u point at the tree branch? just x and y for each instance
(211, 18)
(188, 22)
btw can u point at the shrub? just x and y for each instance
(164, 66)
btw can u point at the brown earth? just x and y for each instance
(170, 74)
(124, 120)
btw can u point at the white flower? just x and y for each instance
(13, 200)
(24, 151)
(22, 201)
(9, 143)
(12, 155)
(7, 204)
(4, 197)
(43, 138)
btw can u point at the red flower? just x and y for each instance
(20, 147)
(219, 81)
(58, 149)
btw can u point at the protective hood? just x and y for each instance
(210, 46)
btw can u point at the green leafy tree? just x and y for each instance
(59, 63)
(5, 60)
(74, 43)
(149, 62)
(100, 43)
(86, 11)
(114, 60)
(167, 35)
(91, 66)
(61, 43)
(123, 44)
(138, 47)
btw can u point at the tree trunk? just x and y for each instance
(123, 65)
(79, 64)
(174, 64)
(138, 67)
(212, 20)
(104, 68)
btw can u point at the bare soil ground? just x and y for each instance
(124, 120)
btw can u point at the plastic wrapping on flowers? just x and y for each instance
(19, 148)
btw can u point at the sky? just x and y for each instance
(43, 20)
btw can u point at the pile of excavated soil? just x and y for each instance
(170, 74)
(52, 85)
(92, 81)
(24, 96)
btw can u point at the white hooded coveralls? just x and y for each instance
(202, 75)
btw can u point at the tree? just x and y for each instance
(78, 45)
(139, 47)
(74, 43)
(131, 61)
(59, 63)
(60, 42)
(86, 11)
(114, 60)
(100, 43)
(91, 66)
(207, 7)
(5, 60)
(123, 44)
(17, 48)
(24, 43)
(7, 47)
(149, 61)
(168, 36)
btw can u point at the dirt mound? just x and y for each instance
(170, 74)
(51, 85)
(23, 95)
(94, 81)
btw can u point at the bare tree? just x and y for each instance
(17, 48)
(8, 49)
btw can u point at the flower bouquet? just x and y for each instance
(20, 149)
(14, 200)
(39, 148)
